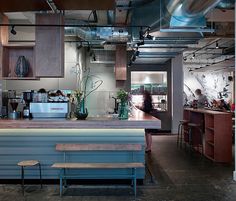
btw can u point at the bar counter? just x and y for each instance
(138, 120)
(217, 129)
(36, 139)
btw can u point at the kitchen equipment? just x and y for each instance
(14, 104)
(28, 97)
(49, 110)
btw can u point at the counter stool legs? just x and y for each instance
(181, 130)
(22, 180)
(40, 176)
(178, 135)
(191, 127)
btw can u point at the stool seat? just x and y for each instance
(28, 163)
(194, 125)
(184, 121)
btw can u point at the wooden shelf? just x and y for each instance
(20, 78)
(210, 157)
(10, 55)
(210, 128)
(210, 143)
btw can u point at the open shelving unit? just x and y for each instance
(217, 141)
(10, 55)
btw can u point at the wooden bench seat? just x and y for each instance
(97, 165)
(133, 165)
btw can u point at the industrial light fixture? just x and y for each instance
(13, 31)
(148, 34)
(217, 45)
(136, 52)
(133, 58)
(141, 34)
(79, 46)
(94, 57)
(130, 63)
(140, 43)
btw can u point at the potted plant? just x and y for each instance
(123, 110)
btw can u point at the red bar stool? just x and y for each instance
(29, 163)
(181, 129)
(195, 141)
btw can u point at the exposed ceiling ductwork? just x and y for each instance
(173, 13)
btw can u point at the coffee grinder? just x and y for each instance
(28, 97)
(14, 104)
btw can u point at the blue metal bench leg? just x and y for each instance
(135, 182)
(64, 178)
(22, 180)
(61, 184)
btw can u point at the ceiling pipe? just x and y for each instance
(189, 13)
(52, 5)
(226, 4)
(182, 14)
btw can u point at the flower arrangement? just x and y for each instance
(123, 109)
(80, 95)
(122, 95)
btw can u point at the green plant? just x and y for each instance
(122, 95)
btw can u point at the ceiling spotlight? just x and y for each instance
(140, 43)
(185, 58)
(136, 53)
(79, 46)
(130, 64)
(141, 34)
(217, 45)
(133, 58)
(13, 31)
(94, 58)
(149, 37)
(148, 34)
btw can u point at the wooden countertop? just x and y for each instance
(138, 120)
(206, 111)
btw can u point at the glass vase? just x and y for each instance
(81, 113)
(123, 111)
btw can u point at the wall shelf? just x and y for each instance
(10, 55)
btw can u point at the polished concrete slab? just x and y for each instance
(172, 175)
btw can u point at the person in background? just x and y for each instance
(147, 108)
(201, 99)
(42, 90)
(223, 105)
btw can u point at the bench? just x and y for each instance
(99, 148)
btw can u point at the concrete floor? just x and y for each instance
(177, 176)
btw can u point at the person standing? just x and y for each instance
(147, 108)
(201, 99)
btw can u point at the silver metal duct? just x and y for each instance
(174, 13)
(189, 13)
(226, 4)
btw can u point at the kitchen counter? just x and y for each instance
(206, 111)
(18, 142)
(138, 120)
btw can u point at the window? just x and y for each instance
(152, 81)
